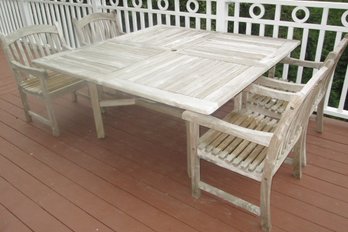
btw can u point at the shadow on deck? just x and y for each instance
(135, 179)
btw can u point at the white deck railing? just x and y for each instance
(308, 21)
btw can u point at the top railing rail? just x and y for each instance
(318, 25)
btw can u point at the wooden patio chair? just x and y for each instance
(252, 143)
(97, 27)
(26, 44)
(277, 107)
(91, 29)
(274, 82)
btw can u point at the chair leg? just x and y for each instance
(193, 136)
(303, 146)
(265, 206)
(74, 96)
(298, 159)
(51, 116)
(188, 151)
(195, 179)
(25, 106)
(237, 102)
(100, 96)
(320, 115)
(93, 91)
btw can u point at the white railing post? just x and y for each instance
(25, 12)
(96, 6)
(221, 15)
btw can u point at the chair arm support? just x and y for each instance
(303, 63)
(259, 137)
(279, 84)
(37, 72)
(273, 93)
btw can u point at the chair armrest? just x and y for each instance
(279, 84)
(303, 63)
(259, 137)
(33, 71)
(269, 92)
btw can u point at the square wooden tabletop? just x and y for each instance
(190, 69)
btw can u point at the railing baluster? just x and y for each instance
(302, 54)
(134, 21)
(321, 38)
(277, 14)
(126, 16)
(236, 16)
(209, 14)
(17, 24)
(43, 13)
(150, 15)
(142, 20)
(290, 35)
(37, 14)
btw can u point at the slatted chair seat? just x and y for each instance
(242, 156)
(271, 104)
(254, 141)
(55, 83)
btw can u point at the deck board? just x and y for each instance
(135, 179)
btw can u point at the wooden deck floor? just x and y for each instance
(135, 179)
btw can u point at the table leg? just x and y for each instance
(93, 93)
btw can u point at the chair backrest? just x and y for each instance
(32, 42)
(294, 119)
(97, 27)
(335, 55)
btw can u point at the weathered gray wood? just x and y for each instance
(180, 67)
(97, 27)
(270, 103)
(254, 144)
(175, 112)
(94, 96)
(118, 102)
(21, 48)
(303, 63)
(193, 135)
(92, 29)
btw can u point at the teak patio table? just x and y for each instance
(194, 70)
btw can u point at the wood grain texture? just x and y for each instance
(185, 68)
(254, 144)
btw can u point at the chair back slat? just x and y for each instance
(294, 119)
(14, 52)
(97, 27)
(335, 55)
(33, 42)
(29, 43)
